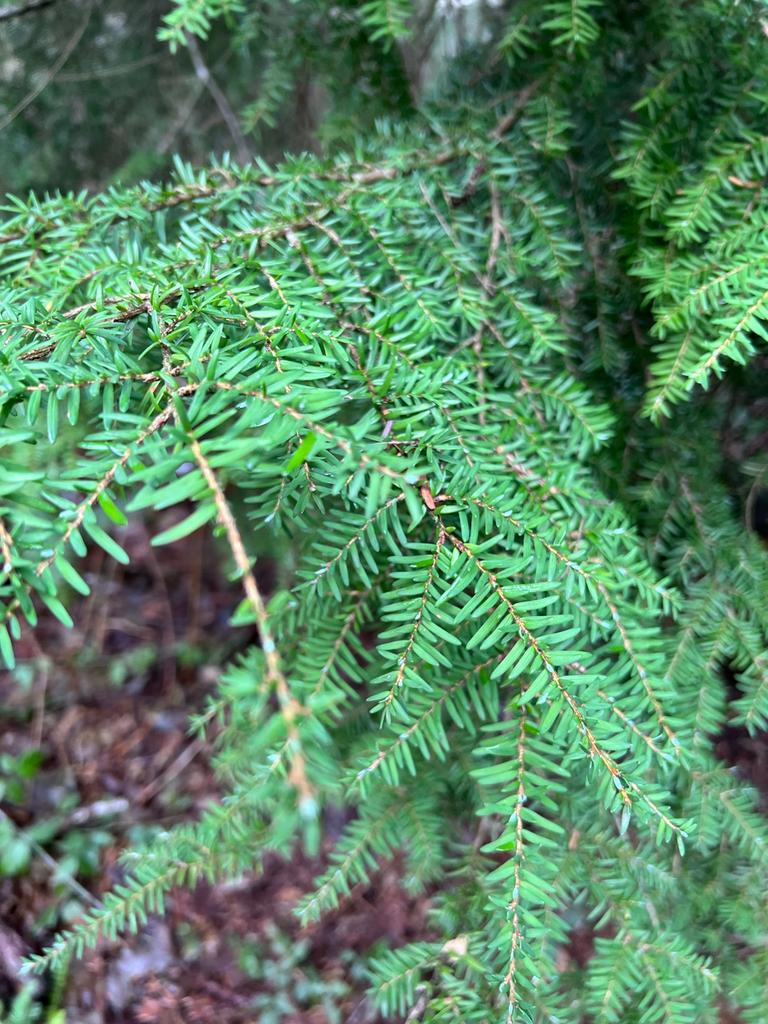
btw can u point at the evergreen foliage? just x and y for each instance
(514, 598)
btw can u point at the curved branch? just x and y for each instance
(49, 76)
(205, 76)
(6, 13)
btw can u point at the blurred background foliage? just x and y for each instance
(91, 92)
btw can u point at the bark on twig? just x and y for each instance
(417, 1010)
(290, 708)
(511, 118)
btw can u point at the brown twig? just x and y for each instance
(469, 188)
(6, 547)
(497, 230)
(290, 708)
(175, 768)
(41, 689)
(496, 135)
(57, 870)
(110, 72)
(510, 119)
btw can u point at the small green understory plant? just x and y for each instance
(473, 374)
(291, 985)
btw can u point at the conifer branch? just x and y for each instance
(90, 501)
(701, 372)
(342, 553)
(290, 708)
(348, 624)
(402, 661)
(626, 642)
(513, 908)
(205, 76)
(159, 421)
(435, 706)
(336, 877)
(594, 747)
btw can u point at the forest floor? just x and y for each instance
(95, 752)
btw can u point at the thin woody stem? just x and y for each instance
(404, 737)
(290, 708)
(6, 547)
(594, 748)
(49, 75)
(513, 908)
(403, 660)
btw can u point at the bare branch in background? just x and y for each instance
(175, 127)
(205, 76)
(12, 11)
(50, 74)
(110, 72)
